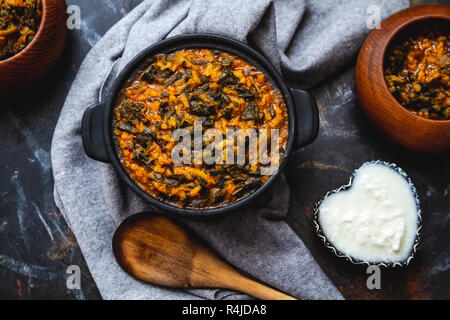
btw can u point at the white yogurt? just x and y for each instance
(375, 220)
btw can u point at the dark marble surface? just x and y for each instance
(36, 245)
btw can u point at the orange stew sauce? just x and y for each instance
(173, 91)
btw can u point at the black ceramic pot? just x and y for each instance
(97, 131)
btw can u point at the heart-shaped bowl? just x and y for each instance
(354, 260)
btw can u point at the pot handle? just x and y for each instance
(307, 118)
(92, 133)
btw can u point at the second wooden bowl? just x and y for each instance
(40, 54)
(380, 106)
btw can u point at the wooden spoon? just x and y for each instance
(156, 250)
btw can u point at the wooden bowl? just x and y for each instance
(380, 106)
(40, 54)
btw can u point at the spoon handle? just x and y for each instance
(255, 289)
(264, 292)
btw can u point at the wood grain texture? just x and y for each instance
(42, 52)
(156, 250)
(395, 121)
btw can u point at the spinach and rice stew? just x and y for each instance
(172, 91)
(417, 72)
(19, 22)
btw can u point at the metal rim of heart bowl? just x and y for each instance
(356, 261)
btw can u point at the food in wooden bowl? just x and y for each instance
(32, 37)
(402, 78)
(19, 22)
(417, 70)
(213, 88)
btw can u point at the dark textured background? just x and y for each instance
(36, 246)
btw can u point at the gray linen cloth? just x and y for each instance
(306, 40)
